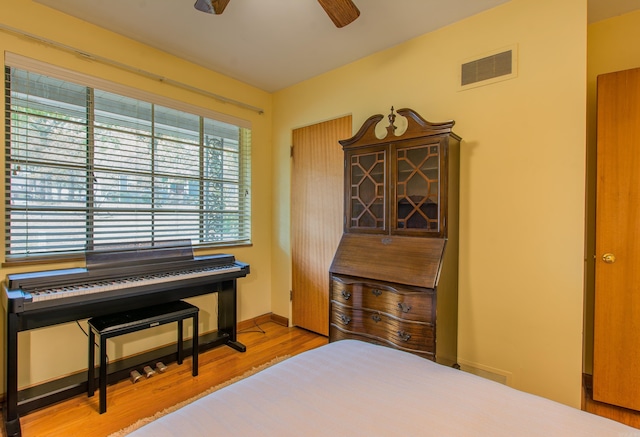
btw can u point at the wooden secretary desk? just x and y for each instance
(394, 276)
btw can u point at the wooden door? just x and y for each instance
(616, 361)
(316, 218)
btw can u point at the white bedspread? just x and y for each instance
(351, 388)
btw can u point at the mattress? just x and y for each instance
(352, 388)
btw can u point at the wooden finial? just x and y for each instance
(391, 128)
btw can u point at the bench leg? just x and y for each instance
(103, 375)
(180, 331)
(194, 346)
(91, 373)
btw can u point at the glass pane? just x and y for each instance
(122, 113)
(37, 138)
(115, 190)
(122, 226)
(32, 229)
(417, 189)
(45, 96)
(122, 151)
(177, 146)
(367, 190)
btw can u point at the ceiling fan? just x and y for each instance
(341, 12)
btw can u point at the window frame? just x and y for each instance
(244, 167)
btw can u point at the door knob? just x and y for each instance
(609, 258)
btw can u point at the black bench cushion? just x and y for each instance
(143, 317)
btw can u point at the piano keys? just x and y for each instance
(30, 290)
(116, 278)
(85, 288)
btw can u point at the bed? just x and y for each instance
(352, 388)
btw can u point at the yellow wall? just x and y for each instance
(612, 47)
(50, 352)
(522, 179)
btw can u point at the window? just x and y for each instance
(86, 167)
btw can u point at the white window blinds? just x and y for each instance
(86, 166)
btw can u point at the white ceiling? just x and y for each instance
(272, 44)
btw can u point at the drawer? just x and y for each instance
(406, 334)
(336, 334)
(402, 302)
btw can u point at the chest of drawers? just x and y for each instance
(383, 313)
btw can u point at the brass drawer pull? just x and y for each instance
(376, 318)
(405, 307)
(345, 319)
(404, 336)
(346, 294)
(376, 292)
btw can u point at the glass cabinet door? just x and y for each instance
(366, 203)
(417, 188)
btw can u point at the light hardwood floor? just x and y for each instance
(127, 402)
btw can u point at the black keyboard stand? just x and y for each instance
(19, 319)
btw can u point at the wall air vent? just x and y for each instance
(494, 67)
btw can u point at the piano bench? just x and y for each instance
(126, 322)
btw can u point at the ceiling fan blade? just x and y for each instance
(341, 12)
(219, 5)
(211, 6)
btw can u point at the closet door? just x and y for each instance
(317, 185)
(616, 361)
